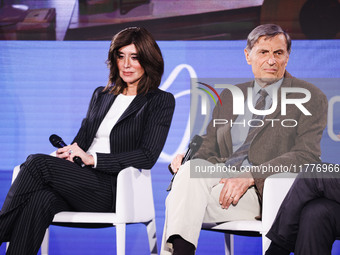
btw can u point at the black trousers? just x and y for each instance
(45, 186)
(308, 221)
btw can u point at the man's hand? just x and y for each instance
(176, 162)
(70, 151)
(233, 189)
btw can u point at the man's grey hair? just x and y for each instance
(268, 31)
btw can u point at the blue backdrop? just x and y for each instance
(46, 87)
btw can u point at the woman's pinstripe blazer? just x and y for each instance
(138, 137)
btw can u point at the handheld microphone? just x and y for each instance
(193, 147)
(57, 142)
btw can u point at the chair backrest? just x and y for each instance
(134, 186)
(15, 173)
(275, 189)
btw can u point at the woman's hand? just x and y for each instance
(176, 162)
(70, 151)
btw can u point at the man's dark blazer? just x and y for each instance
(138, 137)
(277, 145)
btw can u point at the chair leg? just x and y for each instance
(229, 244)
(120, 238)
(265, 243)
(45, 242)
(151, 229)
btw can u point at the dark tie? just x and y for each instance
(241, 153)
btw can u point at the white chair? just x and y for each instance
(275, 190)
(134, 204)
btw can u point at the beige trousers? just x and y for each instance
(193, 201)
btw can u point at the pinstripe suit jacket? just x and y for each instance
(138, 137)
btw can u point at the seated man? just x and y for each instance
(289, 135)
(308, 221)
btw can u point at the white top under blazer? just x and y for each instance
(101, 142)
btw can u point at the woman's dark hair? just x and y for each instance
(149, 56)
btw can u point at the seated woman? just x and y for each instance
(127, 124)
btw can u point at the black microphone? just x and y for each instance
(57, 142)
(193, 147)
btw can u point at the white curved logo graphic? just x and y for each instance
(165, 86)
